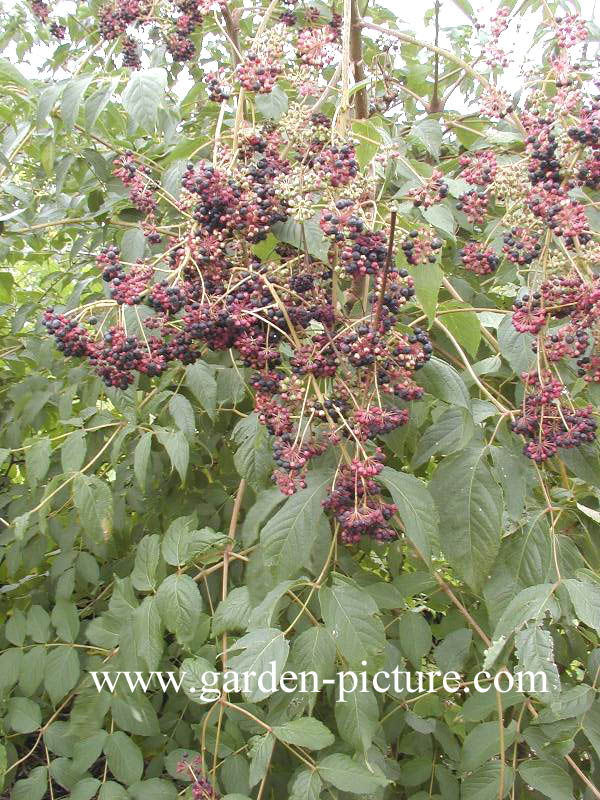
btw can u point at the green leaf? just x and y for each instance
(37, 460)
(429, 133)
(535, 651)
(452, 432)
(314, 650)
(232, 614)
(172, 177)
(133, 245)
(112, 791)
(61, 672)
(470, 502)
(10, 667)
(586, 600)
(182, 412)
(260, 753)
(305, 732)
(548, 778)
(272, 105)
(260, 648)
(427, 279)
(369, 140)
(415, 508)
(464, 326)
(10, 75)
(415, 637)
(72, 452)
(350, 616)
(38, 624)
(443, 381)
(71, 99)
(200, 379)
(194, 684)
(484, 784)
(145, 575)
(144, 95)
(124, 758)
(453, 651)
(441, 218)
(515, 346)
(512, 471)
(148, 633)
(289, 535)
(65, 618)
(348, 775)
(97, 102)
(15, 628)
(178, 450)
(33, 787)
(573, 702)
(466, 8)
(141, 458)
(182, 543)
(534, 602)
(93, 500)
(153, 789)
(24, 716)
(263, 615)
(295, 233)
(134, 713)
(591, 726)
(253, 458)
(483, 742)
(306, 785)
(179, 603)
(357, 719)
(266, 503)
(85, 789)
(583, 462)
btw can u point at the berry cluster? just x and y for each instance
(58, 31)
(356, 502)
(322, 329)
(137, 178)
(420, 247)
(521, 246)
(570, 30)
(434, 191)
(547, 422)
(474, 204)
(259, 74)
(478, 259)
(317, 47)
(40, 9)
(208, 291)
(479, 168)
(201, 788)
(574, 301)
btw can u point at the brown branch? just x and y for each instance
(461, 608)
(361, 100)
(232, 28)
(436, 106)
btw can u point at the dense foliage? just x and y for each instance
(300, 364)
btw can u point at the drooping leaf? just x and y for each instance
(289, 535)
(415, 508)
(144, 95)
(305, 732)
(261, 650)
(470, 501)
(351, 617)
